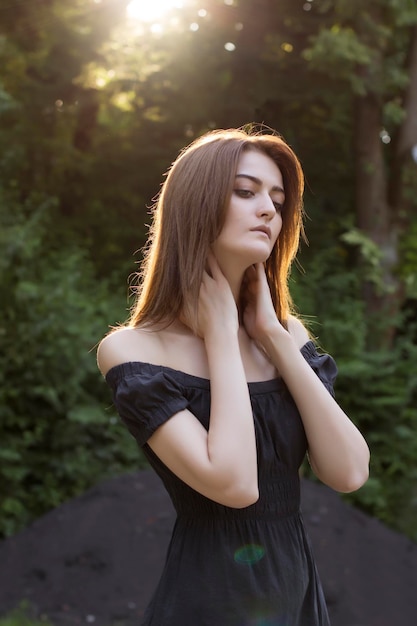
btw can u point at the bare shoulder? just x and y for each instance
(298, 331)
(127, 344)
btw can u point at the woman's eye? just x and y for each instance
(244, 193)
(278, 206)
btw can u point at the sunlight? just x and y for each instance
(150, 10)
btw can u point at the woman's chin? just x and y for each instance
(258, 256)
(244, 257)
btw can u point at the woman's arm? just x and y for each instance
(337, 451)
(220, 463)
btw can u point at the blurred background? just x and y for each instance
(97, 97)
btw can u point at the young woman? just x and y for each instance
(226, 392)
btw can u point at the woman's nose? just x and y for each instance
(267, 206)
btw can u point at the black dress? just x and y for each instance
(225, 566)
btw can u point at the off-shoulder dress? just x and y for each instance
(230, 567)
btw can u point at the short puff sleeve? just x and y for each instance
(322, 364)
(145, 397)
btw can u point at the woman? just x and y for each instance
(226, 392)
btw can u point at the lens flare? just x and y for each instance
(150, 10)
(249, 554)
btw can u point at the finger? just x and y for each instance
(261, 274)
(260, 269)
(250, 274)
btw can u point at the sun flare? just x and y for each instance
(151, 10)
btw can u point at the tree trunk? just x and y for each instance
(408, 131)
(374, 219)
(382, 211)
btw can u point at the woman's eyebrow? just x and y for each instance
(258, 181)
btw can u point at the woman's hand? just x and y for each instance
(217, 310)
(259, 316)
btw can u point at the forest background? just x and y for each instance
(94, 106)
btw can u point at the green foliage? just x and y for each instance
(22, 616)
(370, 256)
(363, 47)
(338, 52)
(56, 437)
(327, 295)
(378, 390)
(408, 268)
(92, 111)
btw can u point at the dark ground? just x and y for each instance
(96, 559)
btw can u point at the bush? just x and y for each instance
(56, 439)
(378, 390)
(58, 434)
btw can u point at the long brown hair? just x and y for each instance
(189, 214)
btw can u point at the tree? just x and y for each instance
(372, 51)
(93, 109)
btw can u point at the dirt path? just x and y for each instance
(96, 559)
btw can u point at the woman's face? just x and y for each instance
(253, 219)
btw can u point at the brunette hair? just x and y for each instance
(189, 214)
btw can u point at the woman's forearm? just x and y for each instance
(338, 453)
(231, 439)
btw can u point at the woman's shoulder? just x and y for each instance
(127, 344)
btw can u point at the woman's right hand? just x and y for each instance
(220, 462)
(259, 316)
(217, 308)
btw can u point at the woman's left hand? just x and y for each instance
(259, 316)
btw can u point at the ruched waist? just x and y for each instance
(278, 498)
